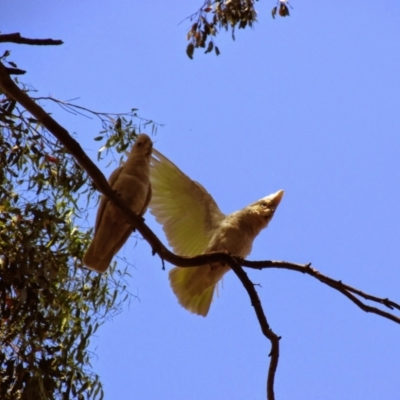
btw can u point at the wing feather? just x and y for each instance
(186, 210)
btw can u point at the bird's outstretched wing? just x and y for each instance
(188, 213)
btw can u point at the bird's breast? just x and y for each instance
(229, 237)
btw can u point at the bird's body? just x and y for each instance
(131, 181)
(194, 225)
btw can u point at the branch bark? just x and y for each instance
(265, 328)
(17, 38)
(15, 71)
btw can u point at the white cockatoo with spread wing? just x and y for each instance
(131, 181)
(194, 224)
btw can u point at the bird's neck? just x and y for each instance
(250, 222)
(137, 162)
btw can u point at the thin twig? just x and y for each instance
(73, 109)
(198, 12)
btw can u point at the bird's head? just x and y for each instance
(266, 206)
(143, 145)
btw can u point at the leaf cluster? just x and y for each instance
(281, 8)
(120, 133)
(228, 14)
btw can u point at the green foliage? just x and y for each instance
(120, 133)
(217, 14)
(49, 305)
(227, 14)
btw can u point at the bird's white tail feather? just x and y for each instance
(194, 286)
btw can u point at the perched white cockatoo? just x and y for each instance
(131, 181)
(194, 225)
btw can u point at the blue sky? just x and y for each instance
(308, 104)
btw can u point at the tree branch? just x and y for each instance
(15, 71)
(349, 291)
(265, 328)
(17, 38)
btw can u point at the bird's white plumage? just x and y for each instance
(131, 181)
(183, 207)
(194, 225)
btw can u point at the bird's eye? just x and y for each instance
(264, 204)
(140, 144)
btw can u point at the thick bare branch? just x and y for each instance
(17, 38)
(15, 71)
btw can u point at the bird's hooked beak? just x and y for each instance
(270, 203)
(275, 199)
